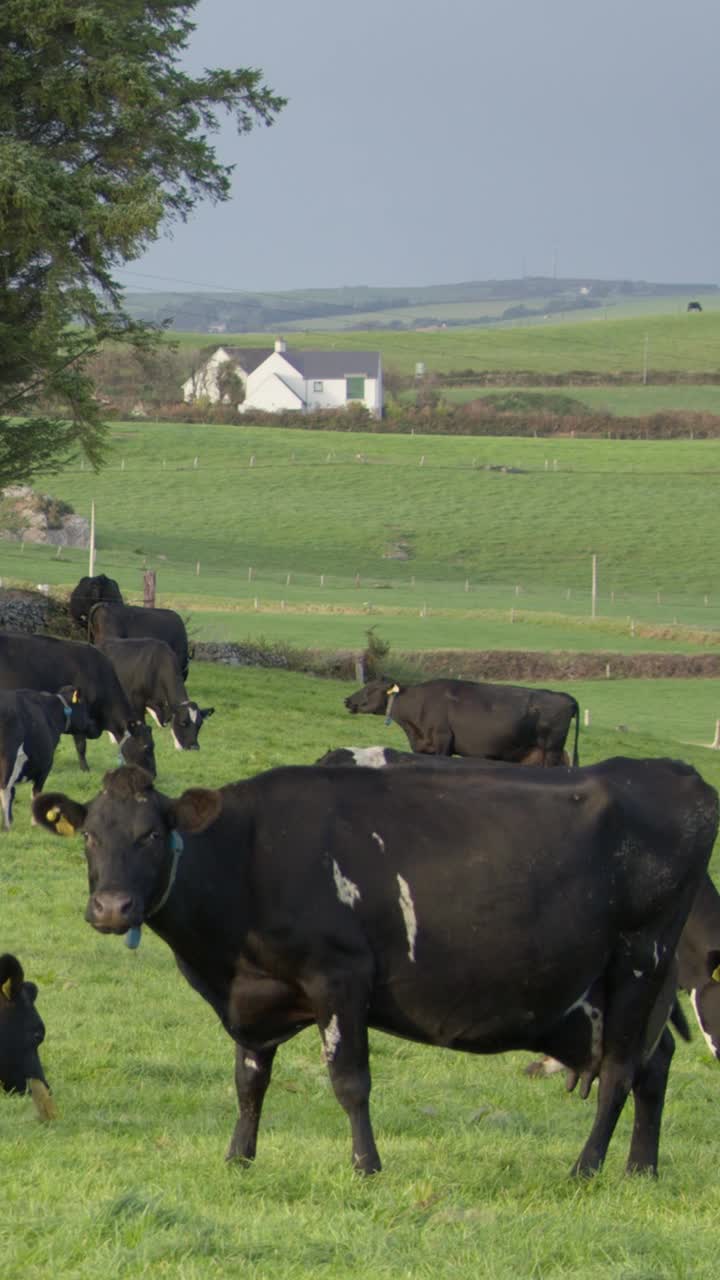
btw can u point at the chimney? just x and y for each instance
(280, 345)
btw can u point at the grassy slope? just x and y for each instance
(130, 1181)
(675, 343)
(308, 507)
(631, 402)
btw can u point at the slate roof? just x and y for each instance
(248, 357)
(334, 364)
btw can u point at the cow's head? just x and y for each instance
(706, 999)
(22, 1031)
(130, 832)
(374, 698)
(77, 714)
(137, 747)
(187, 721)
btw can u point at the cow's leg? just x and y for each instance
(81, 747)
(340, 1004)
(615, 1083)
(649, 1096)
(253, 1068)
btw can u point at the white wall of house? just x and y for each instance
(272, 395)
(313, 393)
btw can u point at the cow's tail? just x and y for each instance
(576, 714)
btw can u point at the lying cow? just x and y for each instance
(30, 728)
(464, 718)
(134, 622)
(384, 757)
(90, 591)
(21, 1033)
(46, 663)
(418, 904)
(149, 672)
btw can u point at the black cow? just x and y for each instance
(30, 728)
(410, 901)
(21, 1033)
(694, 306)
(133, 622)
(465, 718)
(149, 672)
(47, 663)
(90, 591)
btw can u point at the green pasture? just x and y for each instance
(625, 402)
(599, 342)
(274, 525)
(130, 1180)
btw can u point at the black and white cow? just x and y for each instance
(467, 718)
(30, 727)
(134, 622)
(698, 952)
(47, 663)
(22, 1031)
(417, 903)
(149, 672)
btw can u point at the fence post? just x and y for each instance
(149, 582)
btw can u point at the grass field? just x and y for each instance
(130, 1180)
(599, 343)
(630, 402)
(329, 512)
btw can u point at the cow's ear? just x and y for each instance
(195, 809)
(60, 814)
(206, 712)
(11, 976)
(713, 962)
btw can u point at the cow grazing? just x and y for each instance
(30, 728)
(46, 663)
(410, 901)
(21, 1033)
(465, 718)
(149, 672)
(90, 591)
(134, 622)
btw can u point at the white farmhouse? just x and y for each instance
(279, 379)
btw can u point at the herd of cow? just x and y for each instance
(456, 894)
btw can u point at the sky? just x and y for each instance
(432, 143)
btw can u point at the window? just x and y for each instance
(355, 388)
(317, 385)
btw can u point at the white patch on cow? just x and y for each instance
(369, 757)
(6, 793)
(380, 841)
(331, 1038)
(638, 973)
(155, 716)
(193, 712)
(715, 1050)
(595, 1018)
(656, 955)
(178, 745)
(408, 913)
(551, 1066)
(347, 892)
(114, 738)
(251, 1064)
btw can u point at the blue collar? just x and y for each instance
(134, 935)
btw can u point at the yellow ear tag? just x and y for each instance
(63, 827)
(75, 696)
(395, 689)
(715, 975)
(53, 814)
(6, 988)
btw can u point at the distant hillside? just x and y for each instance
(475, 303)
